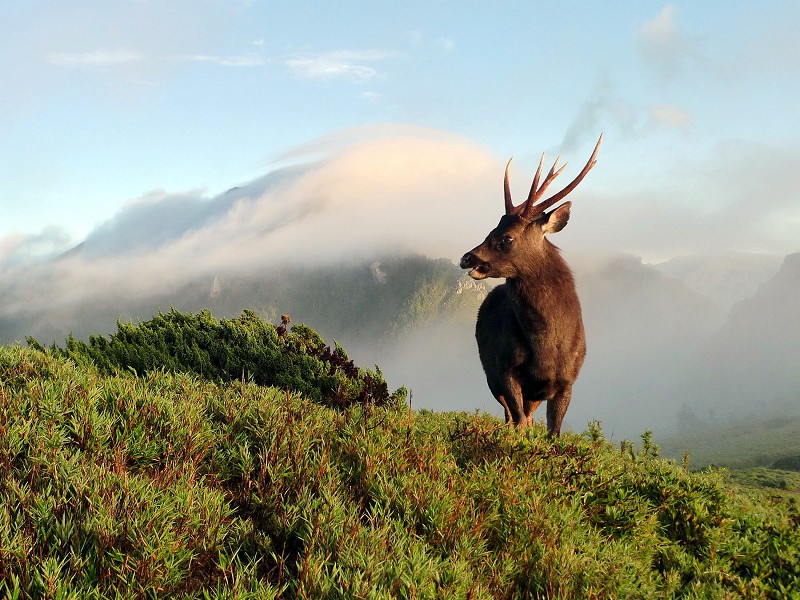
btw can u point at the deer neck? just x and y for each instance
(543, 290)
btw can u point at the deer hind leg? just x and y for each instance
(557, 408)
(511, 400)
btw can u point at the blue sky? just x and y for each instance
(104, 102)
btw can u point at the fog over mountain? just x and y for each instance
(751, 363)
(725, 278)
(360, 240)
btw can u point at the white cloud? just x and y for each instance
(661, 29)
(383, 195)
(347, 64)
(107, 58)
(737, 196)
(662, 45)
(97, 58)
(446, 43)
(670, 116)
(20, 250)
(245, 60)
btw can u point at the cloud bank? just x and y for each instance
(384, 190)
(403, 194)
(349, 64)
(372, 193)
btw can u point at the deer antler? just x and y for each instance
(529, 209)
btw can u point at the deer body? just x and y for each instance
(529, 330)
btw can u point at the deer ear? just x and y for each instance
(557, 219)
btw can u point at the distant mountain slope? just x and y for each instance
(159, 219)
(773, 443)
(642, 328)
(362, 302)
(752, 361)
(370, 302)
(629, 299)
(726, 278)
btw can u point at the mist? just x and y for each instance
(654, 320)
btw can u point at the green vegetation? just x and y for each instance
(772, 443)
(245, 348)
(172, 485)
(774, 482)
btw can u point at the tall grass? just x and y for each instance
(170, 486)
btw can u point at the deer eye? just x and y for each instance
(505, 242)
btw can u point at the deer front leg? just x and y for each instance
(501, 399)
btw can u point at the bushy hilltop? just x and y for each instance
(163, 483)
(247, 347)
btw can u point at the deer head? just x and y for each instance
(511, 248)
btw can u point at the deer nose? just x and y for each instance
(467, 261)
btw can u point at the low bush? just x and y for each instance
(245, 348)
(173, 486)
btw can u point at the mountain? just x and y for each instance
(642, 328)
(159, 219)
(726, 278)
(750, 363)
(367, 303)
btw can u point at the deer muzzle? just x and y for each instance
(478, 268)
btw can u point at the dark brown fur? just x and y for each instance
(530, 331)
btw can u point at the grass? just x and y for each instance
(773, 482)
(772, 443)
(167, 485)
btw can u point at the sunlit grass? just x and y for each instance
(170, 486)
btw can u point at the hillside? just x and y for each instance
(748, 367)
(170, 486)
(726, 278)
(773, 442)
(642, 331)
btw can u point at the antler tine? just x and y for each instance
(532, 211)
(536, 189)
(507, 190)
(536, 178)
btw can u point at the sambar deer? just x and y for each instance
(530, 330)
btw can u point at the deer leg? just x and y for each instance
(530, 407)
(512, 402)
(501, 399)
(557, 408)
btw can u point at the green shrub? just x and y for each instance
(172, 486)
(245, 348)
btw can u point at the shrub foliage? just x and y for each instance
(244, 348)
(174, 486)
